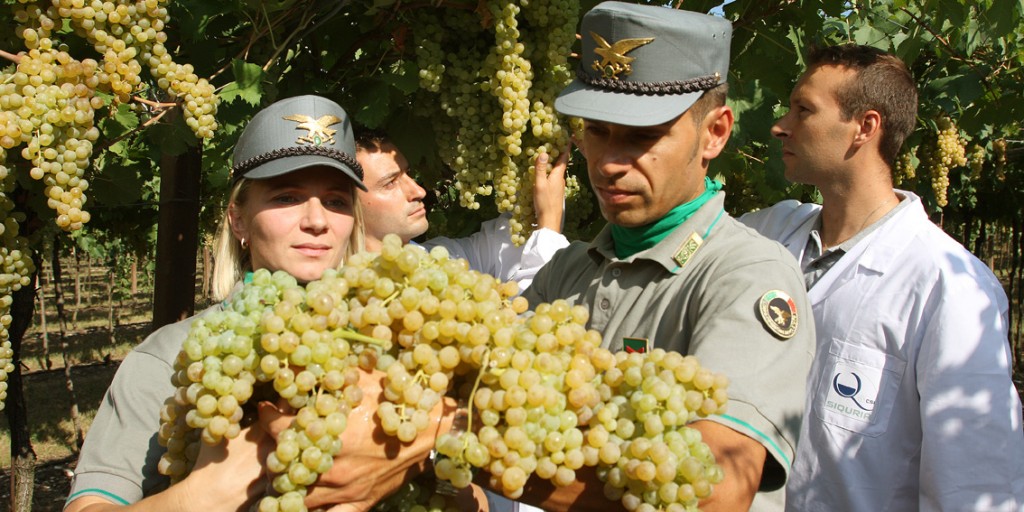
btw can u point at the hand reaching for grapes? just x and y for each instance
(549, 191)
(371, 464)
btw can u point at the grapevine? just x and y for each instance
(491, 140)
(48, 104)
(543, 398)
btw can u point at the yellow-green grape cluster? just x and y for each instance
(543, 397)
(947, 153)
(553, 402)
(273, 333)
(537, 387)
(511, 80)
(48, 102)
(655, 461)
(430, 56)
(977, 160)
(6, 362)
(463, 117)
(549, 400)
(905, 170)
(491, 141)
(999, 148)
(438, 314)
(16, 270)
(548, 35)
(47, 105)
(130, 34)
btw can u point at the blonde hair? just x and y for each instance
(231, 262)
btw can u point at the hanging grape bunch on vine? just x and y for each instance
(48, 104)
(947, 152)
(492, 103)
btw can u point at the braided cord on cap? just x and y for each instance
(245, 166)
(701, 83)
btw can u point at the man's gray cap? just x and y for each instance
(293, 134)
(645, 65)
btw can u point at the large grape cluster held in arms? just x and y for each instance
(543, 398)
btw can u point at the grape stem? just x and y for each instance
(154, 104)
(748, 156)
(15, 58)
(390, 298)
(351, 335)
(149, 122)
(476, 385)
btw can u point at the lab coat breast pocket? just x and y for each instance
(858, 387)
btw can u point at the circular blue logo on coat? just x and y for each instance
(847, 385)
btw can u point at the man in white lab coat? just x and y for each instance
(910, 402)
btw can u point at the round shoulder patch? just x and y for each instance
(778, 313)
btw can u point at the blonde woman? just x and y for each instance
(292, 207)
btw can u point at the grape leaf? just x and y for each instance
(247, 85)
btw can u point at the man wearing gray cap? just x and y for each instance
(671, 269)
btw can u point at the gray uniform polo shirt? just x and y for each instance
(120, 455)
(698, 292)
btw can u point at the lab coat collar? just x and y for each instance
(886, 244)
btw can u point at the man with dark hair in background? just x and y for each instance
(911, 405)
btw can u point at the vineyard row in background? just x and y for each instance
(100, 296)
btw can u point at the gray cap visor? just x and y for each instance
(589, 102)
(287, 164)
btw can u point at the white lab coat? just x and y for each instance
(491, 250)
(911, 405)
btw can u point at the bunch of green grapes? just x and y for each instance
(976, 158)
(999, 148)
(542, 397)
(491, 140)
(48, 101)
(306, 343)
(948, 152)
(16, 269)
(904, 170)
(659, 462)
(48, 105)
(274, 337)
(553, 402)
(130, 34)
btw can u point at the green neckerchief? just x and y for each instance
(629, 241)
(247, 278)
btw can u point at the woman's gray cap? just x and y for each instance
(644, 65)
(293, 134)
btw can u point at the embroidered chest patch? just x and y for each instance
(686, 250)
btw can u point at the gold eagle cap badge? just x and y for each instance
(320, 131)
(614, 61)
